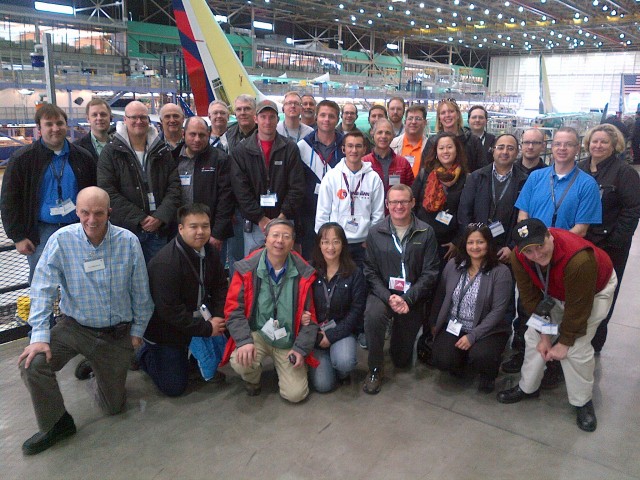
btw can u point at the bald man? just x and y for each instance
(105, 307)
(172, 118)
(140, 175)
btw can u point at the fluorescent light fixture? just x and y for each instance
(53, 8)
(392, 46)
(221, 18)
(262, 25)
(289, 41)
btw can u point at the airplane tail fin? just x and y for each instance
(215, 71)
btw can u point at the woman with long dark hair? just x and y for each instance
(468, 312)
(339, 296)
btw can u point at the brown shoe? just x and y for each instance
(252, 389)
(373, 381)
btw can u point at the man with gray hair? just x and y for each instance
(219, 117)
(244, 108)
(172, 118)
(291, 127)
(281, 323)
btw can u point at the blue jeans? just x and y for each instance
(336, 362)
(151, 243)
(252, 240)
(235, 244)
(168, 367)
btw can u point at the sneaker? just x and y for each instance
(65, 427)
(514, 364)
(362, 341)
(373, 381)
(252, 389)
(553, 375)
(84, 371)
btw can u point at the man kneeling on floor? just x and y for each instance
(105, 305)
(188, 286)
(268, 313)
(568, 284)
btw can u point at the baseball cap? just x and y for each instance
(529, 232)
(264, 104)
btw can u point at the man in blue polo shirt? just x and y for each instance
(562, 196)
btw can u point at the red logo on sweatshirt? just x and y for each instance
(342, 194)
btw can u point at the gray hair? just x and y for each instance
(280, 221)
(246, 99)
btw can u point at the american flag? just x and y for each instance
(631, 83)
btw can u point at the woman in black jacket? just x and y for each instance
(619, 187)
(339, 296)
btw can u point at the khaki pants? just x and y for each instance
(579, 364)
(292, 382)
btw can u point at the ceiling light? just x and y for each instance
(53, 8)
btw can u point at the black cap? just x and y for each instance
(529, 232)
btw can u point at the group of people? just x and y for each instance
(331, 237)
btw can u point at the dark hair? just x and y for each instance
(491, 260)
(378, 107)
(328, 103)
(196, 118)
(353, 133)
(417, 109)
(347, 265)
(404, 105)
(478, 107)
(49, 110)
(431, 160)
(193, 209)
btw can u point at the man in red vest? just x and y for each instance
(567, 284)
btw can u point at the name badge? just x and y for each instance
(93, 265)
(269, 330)
(152, 201)
(542, 325)
(496, 229)
(411, 160)
(63, 208)
(399, 284)
(316, 190)
(280, 333)
(278, 162)
(550, 329)
(328, 325)
(268, 200)
(352, 226)
(444, 217)
(394, 180)
(454, 328)
(185, 180)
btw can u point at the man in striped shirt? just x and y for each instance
(105, 304)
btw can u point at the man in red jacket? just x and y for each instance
(567, 284)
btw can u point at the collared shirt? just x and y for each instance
(413, 153)
(272, 273)
(97, 144)
(58, 184)
(117, 293)
(499, 177)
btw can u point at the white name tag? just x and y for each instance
(93, 265)
(269, 330)
(185, 180)
(63, 208)
(152, 201)
(496, 229)
(399, 284)
(550, 329)
(394, 180)
(316, 190)
(351, 226)
(444, 217)
(269, 200)
(454, 328)
(280, 333)
(278, 162)
(328, 325)
(542, 325)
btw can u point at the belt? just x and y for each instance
(109, 329)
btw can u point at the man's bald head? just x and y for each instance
(95, 196)
(92, 207)
(135, 106)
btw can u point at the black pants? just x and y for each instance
(483, 357)
(403, 332)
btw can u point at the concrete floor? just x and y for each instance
(423, 424)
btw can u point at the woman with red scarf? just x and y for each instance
(437, 190)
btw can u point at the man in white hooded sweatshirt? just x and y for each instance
(352, 195)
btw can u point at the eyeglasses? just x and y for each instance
(138, 118)
(414, 119)
(452, 100)
(529, 143)
(292, 104)
(564, 145)
(476, 225)
(279, 236)
(393, 203)
(508, 148)
(349, 113)
(333, 243)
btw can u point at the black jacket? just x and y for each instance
(250, 179)
(234, 137)
(620, 195)
(212, 186)
(20, 197)
(347, 303)
(86, 143)
(120, 174)
(476, 202)
(476, 154)
(174, 288)
(383, 261)
(444, 233)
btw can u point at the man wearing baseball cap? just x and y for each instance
(267, 176)
(567, 284)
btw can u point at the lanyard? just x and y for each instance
(199, 276)
(556, 207)
(354, 193)
(325, 163)
(275, 294)
(401, 246)
(291, 136)
(493, 192)
(545, 280)
(59, 177)
(464, 291)
(328, 295)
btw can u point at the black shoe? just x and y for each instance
(552, 375)
(424, 349)
(514, 395)
(84, 371)
(487, 384)
(252, 389)
(373, 381)
(41, 441)
(586, 417)
(514, 364)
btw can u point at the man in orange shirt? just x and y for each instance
(411, 143)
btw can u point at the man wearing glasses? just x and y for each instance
(533, 145)
(401, 269)
(412, 141)
(291, 126)
(349, 117)
(274, 318)
(139, 173)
